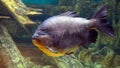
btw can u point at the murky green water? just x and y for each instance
(104, 53)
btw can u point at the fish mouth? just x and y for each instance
(36, 42)
(39, 39)
(36, 39)
(42, 39)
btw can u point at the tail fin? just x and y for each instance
(103, 25)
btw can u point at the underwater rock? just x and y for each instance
(11, 55)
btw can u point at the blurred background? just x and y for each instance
(22, 17)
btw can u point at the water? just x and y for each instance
(104, 53)
(41, 2)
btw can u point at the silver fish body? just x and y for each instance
(63, 24)
(66, 31)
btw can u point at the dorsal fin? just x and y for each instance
(69, 13)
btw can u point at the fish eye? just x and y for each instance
(42, 33)
(42, 29)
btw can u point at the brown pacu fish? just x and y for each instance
(65, 33)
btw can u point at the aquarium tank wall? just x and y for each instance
(41, 2)
(19, 20)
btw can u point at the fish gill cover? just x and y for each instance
(41, 2)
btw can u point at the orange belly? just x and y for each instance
(44, 49)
